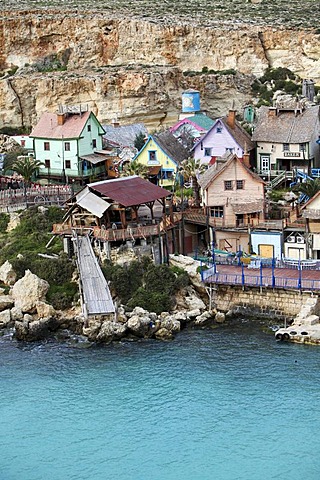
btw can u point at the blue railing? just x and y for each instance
(212, 275)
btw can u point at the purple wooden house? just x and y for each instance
(224, 137)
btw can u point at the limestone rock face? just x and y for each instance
(31, 329)
(28, 291)
(5, 319)
(6, 301)
(44, 310)
(7, 274)
(147, 82)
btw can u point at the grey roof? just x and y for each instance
(171, 146)
(286, 126)
(123, 135)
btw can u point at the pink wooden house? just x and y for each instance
(234, 199)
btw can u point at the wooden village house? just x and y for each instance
(233, 201)
(162, 154)
(286, 137)
(224, 137)
(69, 144)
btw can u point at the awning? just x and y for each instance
(248, 207)
(94, 158)
(154, 170)
(91, 202)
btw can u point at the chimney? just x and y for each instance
(61, 118)
(115, 123)
(246, 159)
(231, 118)
(272, 112)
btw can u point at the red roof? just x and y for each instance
(129, 191)
(48, 127)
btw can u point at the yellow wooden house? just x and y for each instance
(162, 153)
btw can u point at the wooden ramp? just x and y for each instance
(95, 293)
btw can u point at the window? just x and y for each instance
(67, 146)
(216, 212)
(23, 143)
(219, 130)
(240, 184)
(47, 163)
(207, 152)
(68, 163)
(302, 147)
(89, 128)
(286, 147)
(229, 150)
(152, 156)
(228, 185)
(94, 143)
(46, 146)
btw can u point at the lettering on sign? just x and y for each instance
(291, 154)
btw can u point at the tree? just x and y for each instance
(308, 188)
(27, 167)
(11, 157)
(191, 169)
(135, 168)
(139, 141)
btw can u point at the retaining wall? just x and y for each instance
(267, 303)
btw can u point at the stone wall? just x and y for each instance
(269, 303)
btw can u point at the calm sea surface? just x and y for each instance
(228, 403)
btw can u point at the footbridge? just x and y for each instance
(94, 291)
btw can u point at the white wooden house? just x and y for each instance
(286, 137)
(69, 144)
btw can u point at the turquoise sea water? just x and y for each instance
(224, 404)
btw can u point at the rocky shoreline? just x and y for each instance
(25, 310)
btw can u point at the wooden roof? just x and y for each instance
(286, 126)
(129, 191)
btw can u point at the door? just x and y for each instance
(266, 251)
(265, 163)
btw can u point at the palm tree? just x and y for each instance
(135, 168)
(27, 167)
(308, 188)
(191, 169)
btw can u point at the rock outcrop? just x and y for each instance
(29, 291)
(136, 69)
(7, 274)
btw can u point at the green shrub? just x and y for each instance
(4, 221)
(62, 296)
(152, 301)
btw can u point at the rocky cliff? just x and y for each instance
(136, 69)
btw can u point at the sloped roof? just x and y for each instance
(200, 122)
(207, 178)
(95, 205)
(95, 158)
(129, 191)
(239, 134)
(171, 146)
(123, 135)
(248, 207)
(286, 126)
(48, 127)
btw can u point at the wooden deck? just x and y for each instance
(96, 295)
(287, 278)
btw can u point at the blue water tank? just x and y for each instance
(191, 101)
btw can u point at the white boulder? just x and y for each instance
(28, 291)
(7, 275)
